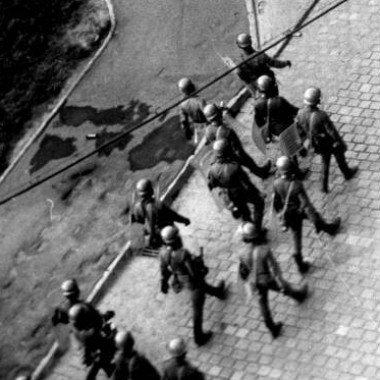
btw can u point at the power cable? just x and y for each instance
(169, 108)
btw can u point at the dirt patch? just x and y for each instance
(166, 143)
(51, 148)
(131, 115)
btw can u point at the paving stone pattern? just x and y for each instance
(335, 334)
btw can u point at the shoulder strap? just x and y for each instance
(268, 117)
(286, 204)
(311, 123)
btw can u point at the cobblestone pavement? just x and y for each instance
(335, 334)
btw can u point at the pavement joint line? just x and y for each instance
(62, 99)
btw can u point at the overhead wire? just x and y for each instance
(114, 140)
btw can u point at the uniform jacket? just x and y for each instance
(191, 111)
(298, 201)
(155, 215)
(177, 263)
(175, 369)
(136, 367)
(281, 114)
(322, 124)
(258, 66)
(260, 264)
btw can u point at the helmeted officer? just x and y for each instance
(187, 271)
(323, 136)
(261, 272)
(71, 292)
(97, 347)
(293, 205)
(178, 367)
(260, 65)
(130, 364)
(218, 129)
(235, 188)
(272, 109)
(153, 213)
(191, 110)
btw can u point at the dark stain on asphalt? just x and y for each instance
(104, 136)
(130, 115)
(51, 148)
(165, 143)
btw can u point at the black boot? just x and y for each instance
(302, 264)
(301, 294)
(222, 290)
(276, 329)
(203, 339)
(351, 173)
(332, 227)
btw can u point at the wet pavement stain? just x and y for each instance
(104, 136)
(166, 143)
(131, 115)
(51, 148)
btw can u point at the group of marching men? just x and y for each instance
(113, 351)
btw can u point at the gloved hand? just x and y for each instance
(289, 63)
(187, 222)
(164, 287)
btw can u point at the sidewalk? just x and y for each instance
(335, 334)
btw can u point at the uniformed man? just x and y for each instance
(235, 188)
(261, 273)
(218, 129)
(130, 364)
(293, 205)
(71, 292)
(177, 367)
(191, 110)
(186, 271)
(97, 346)
(271, 109)
(154, 214)
(324, 138)
(250, 71)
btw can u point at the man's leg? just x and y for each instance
(325, 158)
(274, 328)
(330, 228)
(198, 298)
(215, 291)
(343, 166)
(297, 293)
(93, 371)
(296, 229)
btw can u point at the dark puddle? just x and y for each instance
(130, 115)
(51, 148)
(166, 143)
(104, 136)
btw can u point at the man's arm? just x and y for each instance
(172, 216)
(276, 63)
